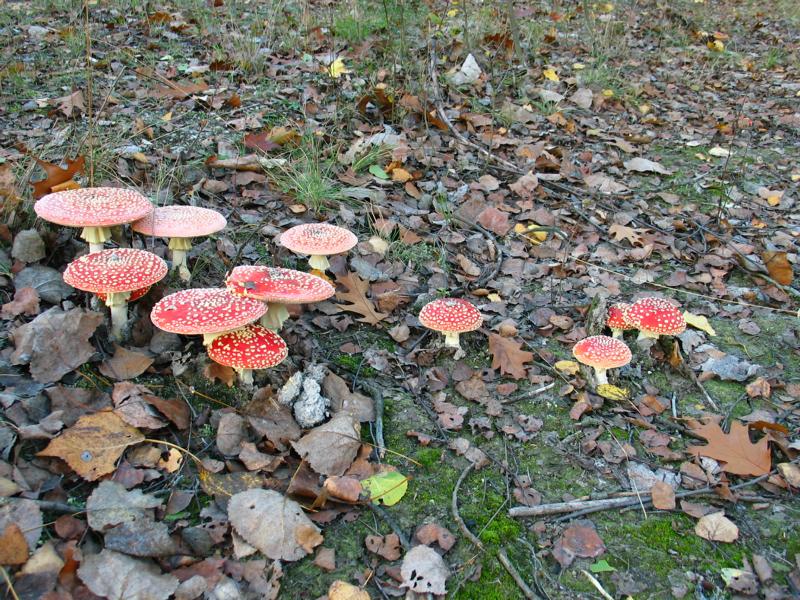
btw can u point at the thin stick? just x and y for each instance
(9, 584)
(457, 516)
(598, 586)
(89, 99)
(512, 570)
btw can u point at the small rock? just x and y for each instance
(37, 32)
(312, 408)
(46, 281)
(28, 246)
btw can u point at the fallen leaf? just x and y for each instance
(779, 267)
(125, 364)
(699, 322)
(550, 74)
(71, 103)
(578, 540)
(567, 366)
(791, 473)
(226, 485)
(225, 374)
(431, 533)
(231, 432)
(716, 527)
(180, 90)
(260, 141)
(387, 487)
(759, 387)
(13, 547)
(111, 504)
(275, 525)
(663, 496)
(508, 356)
(424, 571)
(623, 232)
(494, 220)
(337, 68)
(331, 447)
(25, 302)
(387, 546)
(644, 165)
(735, 450)
(114, 575)
(356, 296)
(348, 489)
(92, 446)
(56, 176)
(341, 590)
(27, 515)
(55, 342)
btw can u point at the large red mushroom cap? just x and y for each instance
(616, 318)
(94, 209)
(276, 284)
(655, 316)
(251, 347)
(602, 352)
(205, 311)
(318, 240)
(451, 316)
(180, 222)
(113, 271)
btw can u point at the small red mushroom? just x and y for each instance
(116, 274)
(602, 352)
(616, 319)
(180, 224)
(319, 240)
(94, 209)
(277, 287)
(450, 316)
(654, 317)
(207, 311)
(248, 348)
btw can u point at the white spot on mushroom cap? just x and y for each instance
(205, 310)
(115, 270)
(450, 315)
(602, 352)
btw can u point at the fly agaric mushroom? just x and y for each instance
(94, 209)
(248, 348)
(616, 319)
(180, 224)
(654, 317)
(319, 240)
(277, 287)
(450, 316)
(207, 311)
(116, 274)
(135, 294)
(602, 353)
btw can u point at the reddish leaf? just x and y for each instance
(508, 356)
(735, 450)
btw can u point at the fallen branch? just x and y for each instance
(512, 570)
(457, 515)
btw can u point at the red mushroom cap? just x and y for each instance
(656, 316)
(93, 207)
(113, 271)
(602, 352)
(205, 310)
(275, 284)
(616, 316)
(135, 294)
(450, 315)
(251, 347)
(318, 239)
(180, 221)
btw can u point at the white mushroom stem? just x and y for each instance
(601, 375)
(96, 236)
(616, 333)
(245, 376)
(210, 337)
(647, 335)
(275, 316)
(318, 262)
(451, 339)
(179, 247)
(118, 303)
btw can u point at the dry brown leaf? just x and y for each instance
(126, 364)
(55, 342)
(622, 232)
(275, 525)
(347, 489)
(735, 450)
(25, 302)
(779, 267)
(424, 571)
(130, 403)
(331, 448)
(716, 527)
(508, 356)
(356, 295)
(663, 496)
(225, 374)
(71, 103)
(92, 446)
(228, 484)
(13, 547)
(114, 575)
(431, 533)
(385, 546)
(341, 590)
(111, 504)
(180, 89)
(27, 515)
(581, 540)
(57, 178)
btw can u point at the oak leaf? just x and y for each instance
(735, 450)
(92, 446)
(716, 527)
(622, 232)
(57, 178)
(356, 295)
(508, 356)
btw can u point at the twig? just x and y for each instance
(512, 570)
(8, 583)
(51, 506)
(377, 397)
(457, 516)
(598, 586)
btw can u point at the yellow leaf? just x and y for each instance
(578, 66)
(608, 93)
(494, 297)
(606, 7)
(167, 117)
(715, 45)
(645, 108)
(699, 322)
(612, 392)
(550, 74)
(567, 366)
(400, 175)
(452, 12)
(337, 69)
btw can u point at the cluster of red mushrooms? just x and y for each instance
(652, 317)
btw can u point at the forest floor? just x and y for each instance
(541, 160)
